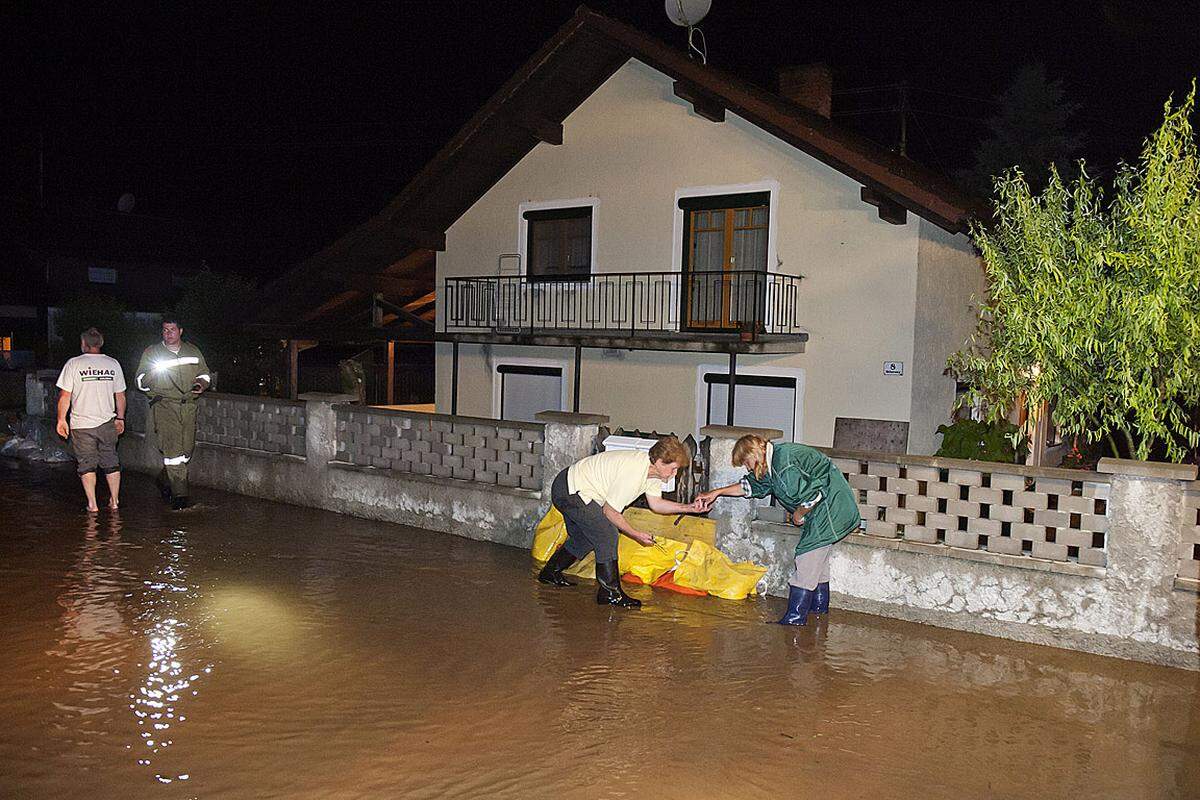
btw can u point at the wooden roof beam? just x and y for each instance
(428, 239)
(539, 127)
(704, 104)
(889, 209)
(371, 282)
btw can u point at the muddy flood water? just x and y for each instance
(248, 649)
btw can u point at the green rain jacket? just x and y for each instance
(798, 475)
(170, 376)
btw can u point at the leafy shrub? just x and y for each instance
(981, 441)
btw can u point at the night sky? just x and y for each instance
(274, 128)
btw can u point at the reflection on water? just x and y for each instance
(248, 649)
(166, 680)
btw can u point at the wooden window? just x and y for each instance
(725, 257)
(559, 244)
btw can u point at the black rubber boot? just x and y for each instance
(820, 601)
(552, 573)
(799, 603)
(609, 591)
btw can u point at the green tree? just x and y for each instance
(1094, 305)
(125, 334)
(214, 309)
(1031, 130)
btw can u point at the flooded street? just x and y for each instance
(252, 649)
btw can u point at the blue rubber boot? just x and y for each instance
(820, 601)
(799, 602)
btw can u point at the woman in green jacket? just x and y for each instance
(818, 501)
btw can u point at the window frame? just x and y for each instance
(542, 207)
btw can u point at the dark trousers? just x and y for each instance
(587, 527)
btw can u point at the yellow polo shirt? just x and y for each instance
(615, 477)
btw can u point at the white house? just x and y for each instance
(624, 226)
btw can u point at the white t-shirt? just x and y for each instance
(616, 477)
(92, 379)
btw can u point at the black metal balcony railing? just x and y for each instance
(627, 302)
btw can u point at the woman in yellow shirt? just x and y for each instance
(592, 493)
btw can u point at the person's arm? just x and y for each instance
(203, 378)
(119, 397)
(64, 404)
(732, 490)
(660, 506)
(140, 379)
(618, 519)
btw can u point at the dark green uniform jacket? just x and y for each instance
(170, 376)
(798, 474)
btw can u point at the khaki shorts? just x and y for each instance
(811, 568)
(96, 447)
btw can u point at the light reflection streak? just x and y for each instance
(156, 703)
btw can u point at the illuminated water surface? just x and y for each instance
(251, 649)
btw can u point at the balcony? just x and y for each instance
(722, 311)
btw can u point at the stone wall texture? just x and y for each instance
(253, 423)
(499, 453)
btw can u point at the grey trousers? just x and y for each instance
(587, 527)
(811, 568)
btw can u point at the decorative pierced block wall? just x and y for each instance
(255, 423)
(1189, 549)
(1040, 513)
(502, 453)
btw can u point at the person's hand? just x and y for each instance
(197, 388)
(707, 499)
(644, 539)
(698, 506)
(120, 423)
(798, 515)
(64, 430)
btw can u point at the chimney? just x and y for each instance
(810, 85)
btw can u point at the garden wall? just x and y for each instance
(1104, 562)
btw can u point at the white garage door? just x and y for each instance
(526, 390)
(762, 401)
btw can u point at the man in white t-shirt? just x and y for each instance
(93, 389)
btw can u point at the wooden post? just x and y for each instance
(732, 387)
(293, 368)
(391, 376)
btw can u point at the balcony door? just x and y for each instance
(725, 260)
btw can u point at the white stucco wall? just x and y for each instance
(950, 286)
(633, 145)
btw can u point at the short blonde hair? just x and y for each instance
(751, 445)
(670, 450)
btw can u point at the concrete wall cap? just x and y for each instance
(738, 431)
(248, 398)
(571, 418)
(1147, 469)
(328, 397)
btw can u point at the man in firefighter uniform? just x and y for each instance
(174, 374)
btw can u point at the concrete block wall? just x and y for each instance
(1102, 573)
(1053, 514)
(487, 451)
(253, 423)
(1189, 546)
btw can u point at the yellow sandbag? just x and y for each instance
(710, 570)
(649, 563)
(583, 568)
(550, 533)
(681, 527)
